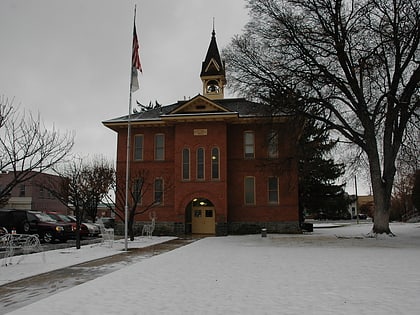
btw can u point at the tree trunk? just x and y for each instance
(78, 227)
(130, 225)
(381, 186)
(381, 213)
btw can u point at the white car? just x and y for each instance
(93, 228)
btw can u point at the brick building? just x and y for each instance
(214, 165)
(30, 195)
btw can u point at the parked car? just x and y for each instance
(93, 228)
(3, 231)
(361, 216)
(84, 231)
(34, 222)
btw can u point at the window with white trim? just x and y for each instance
(215, 163)
(200, 163)
(158, 190)
(159, 147)
(273, 190)
(273, 145)
(138, 147)
(249, 190)
(186, 164)
(249, 144)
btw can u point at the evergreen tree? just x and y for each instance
(318, 193)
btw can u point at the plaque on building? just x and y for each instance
(200, 132)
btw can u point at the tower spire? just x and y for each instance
(213, 71)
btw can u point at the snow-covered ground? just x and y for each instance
(333, 270)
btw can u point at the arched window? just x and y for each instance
(200, 163)
(186, 164)
(215, 163)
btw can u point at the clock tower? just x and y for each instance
(213, 72)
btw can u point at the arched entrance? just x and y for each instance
(200, 216)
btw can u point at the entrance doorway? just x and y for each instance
(203, 218)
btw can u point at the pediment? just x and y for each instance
(200, 105)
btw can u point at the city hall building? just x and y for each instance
(210, 164)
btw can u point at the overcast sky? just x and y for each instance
(70, 60)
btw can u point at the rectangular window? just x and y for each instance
(273, 145)
(215, 163)
(22, 191)
(249, 145)
(200, 163)
(186, 164)
(159, 147)
(273, 190)
(249, 190)
(41, 192)
(138, 147)
(158, 190)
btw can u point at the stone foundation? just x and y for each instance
(272, 227)
(222, 229)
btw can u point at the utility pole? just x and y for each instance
(357, 207)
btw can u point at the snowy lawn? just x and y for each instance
(20, 267)
(330, 271)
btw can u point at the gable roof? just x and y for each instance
(199, 107)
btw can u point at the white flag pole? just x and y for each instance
(127, 169)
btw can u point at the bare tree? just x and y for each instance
(26, 145)
(141, 188)
(83, 185)
(5, 109)
(353, 65)
(99, 176)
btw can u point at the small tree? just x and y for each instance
(84, 184)
(100, 176)
(318, 173)
(141, 187)
(70, 190)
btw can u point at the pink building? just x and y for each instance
(30, 195)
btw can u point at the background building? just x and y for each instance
(30, 195)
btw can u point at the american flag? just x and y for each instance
(135, 62)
